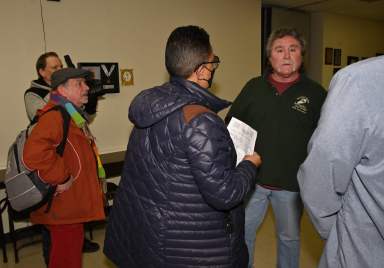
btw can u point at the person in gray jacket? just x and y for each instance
(37, 96)
(342, 179)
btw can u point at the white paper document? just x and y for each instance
(243, 137)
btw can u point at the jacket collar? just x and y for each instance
(40, 83)
(201, 95)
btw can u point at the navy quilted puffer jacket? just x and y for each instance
(179, 202)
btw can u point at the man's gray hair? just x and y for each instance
(282, 32)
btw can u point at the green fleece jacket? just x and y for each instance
(284, 124)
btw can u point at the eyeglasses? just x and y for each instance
(215, 63)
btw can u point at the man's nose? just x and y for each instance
(287, 54)
(85, 86)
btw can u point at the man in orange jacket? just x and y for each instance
(78, 197)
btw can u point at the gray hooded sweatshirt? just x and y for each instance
(342, 179)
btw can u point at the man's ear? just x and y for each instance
(199, 71)
(194, 76)
(62, 90)
(41, 72)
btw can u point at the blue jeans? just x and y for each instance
(288, 209)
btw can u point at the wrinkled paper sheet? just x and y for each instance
(243, 137)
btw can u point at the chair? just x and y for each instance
(18, 234)
(109, 195)
(3, 206)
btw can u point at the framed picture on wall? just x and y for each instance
(352, 59)
(337, 56)
(328, 59)
(106, 72)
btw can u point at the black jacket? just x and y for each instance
(284, 125)
(179, 202)
(36, 97)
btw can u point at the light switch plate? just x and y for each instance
(126, 77)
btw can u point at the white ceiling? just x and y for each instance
(369, 9)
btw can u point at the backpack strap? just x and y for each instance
(60, 148)
(190, 111)
(66, 121)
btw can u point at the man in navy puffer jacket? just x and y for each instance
(179, 202)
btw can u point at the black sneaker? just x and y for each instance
(90, 246)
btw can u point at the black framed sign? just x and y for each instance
(328, 57)
(107, 72)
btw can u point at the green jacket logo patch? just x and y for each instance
(301, 104)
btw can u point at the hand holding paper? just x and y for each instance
(254, 158)
(243, 137)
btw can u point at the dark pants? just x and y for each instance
(46, 243)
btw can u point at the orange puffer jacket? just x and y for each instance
(83, 201)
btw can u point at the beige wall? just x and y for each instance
(282, 18)
(130, 32)
(315, 67)
(355, 37)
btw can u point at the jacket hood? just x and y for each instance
(154, 104)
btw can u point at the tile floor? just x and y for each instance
(311, 247)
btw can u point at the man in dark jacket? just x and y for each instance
(283, 106)
(179, 202)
